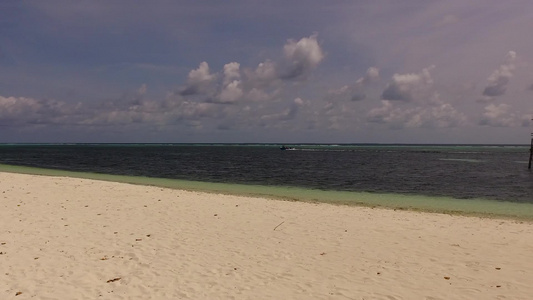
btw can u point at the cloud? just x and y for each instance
(224, 87)
(175, 110)
(440, 116)
(342, 93)
(198, 81)
(530, 87)
(130, 109)
(232, 89)
(264, 82)
(355, 91)
(257, 95)
(142, 90)
(231, 72)
(301, 57)
(527, 120)
(388, 114)
(287, 114)
(498, 116)
(409, 87)
(15, 109)
(485, 99)
(194, 110)
(231, 92)
(372, 74)
(499, 79)
(264, 75)
(29, 111)
(445, 116)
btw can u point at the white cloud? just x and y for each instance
(485, 99)
(355, 91)
(201, 74)
(372, 74)
(258, 95)
(263, 76)
(445, 116)
(527, 120)
(231, 72)
(231, 92)
(299, 101)
(153, 113)
(232, 89)
(27, 111)
(262, 83)
(288, 113)
(493, 111)
(384, 114)
(194, 110)
(499, 79)
(498, 116)
(409, 87)
(343, 93)
(198, 81)
(301, 57)
(13, 108)
(441, 116)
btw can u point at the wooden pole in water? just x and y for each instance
(530, 153)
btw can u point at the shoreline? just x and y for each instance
(79, 238)
(419, 203)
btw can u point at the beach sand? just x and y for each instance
(70, 238)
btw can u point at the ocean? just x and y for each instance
(410, 175)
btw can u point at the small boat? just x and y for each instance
(286, 148)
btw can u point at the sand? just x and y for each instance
(69, 238)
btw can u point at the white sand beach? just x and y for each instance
(70, 238)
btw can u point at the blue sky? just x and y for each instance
(410, 71)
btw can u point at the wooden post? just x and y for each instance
(530, 153)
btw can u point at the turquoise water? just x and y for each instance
(472, 207)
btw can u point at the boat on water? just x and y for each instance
(286, 148)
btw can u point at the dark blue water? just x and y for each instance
(464, 172)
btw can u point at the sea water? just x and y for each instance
(471, 179)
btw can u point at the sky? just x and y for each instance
(247, 71)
